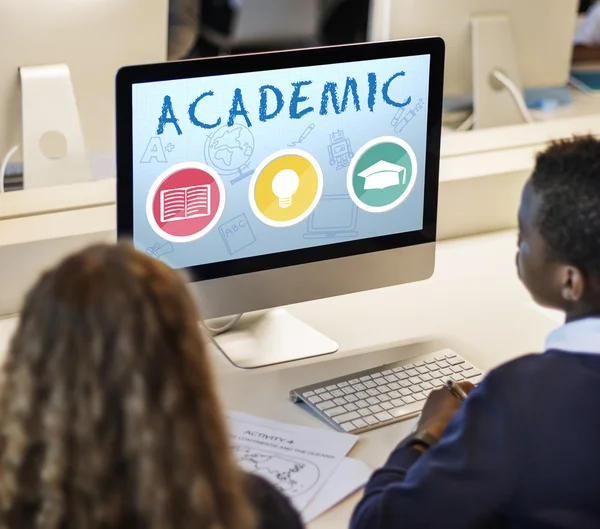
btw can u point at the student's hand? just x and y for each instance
(440, 407)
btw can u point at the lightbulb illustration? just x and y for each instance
(285, 184)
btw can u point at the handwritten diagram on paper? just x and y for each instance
(185, 203)
(292, 476)
(295, 459)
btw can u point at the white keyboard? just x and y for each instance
(386, 394)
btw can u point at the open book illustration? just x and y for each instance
(185, 203)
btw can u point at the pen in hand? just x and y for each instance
(456, 390)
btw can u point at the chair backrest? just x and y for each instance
(273, 21)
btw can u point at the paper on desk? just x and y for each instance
(295, 459)
(349, 477)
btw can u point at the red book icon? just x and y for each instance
(185, 202)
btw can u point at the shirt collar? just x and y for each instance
(579, 336)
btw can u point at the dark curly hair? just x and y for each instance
(109, 412)
(567, 179)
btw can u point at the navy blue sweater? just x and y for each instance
(523, 452)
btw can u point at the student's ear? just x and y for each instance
(573, 284)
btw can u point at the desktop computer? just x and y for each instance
(280, 178)
(59, 61)
(494, 48)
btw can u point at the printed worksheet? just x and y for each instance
(295, 459)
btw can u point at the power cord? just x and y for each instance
(4, 165)
(516, 94)
(224, 328)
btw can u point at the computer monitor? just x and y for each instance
(278, 178)
(494, 48)
(93, 39)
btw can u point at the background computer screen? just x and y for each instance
(236, 166)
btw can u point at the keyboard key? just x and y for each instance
(350, 416)
(373, 401)
(349, 390)
(371, 420)
(354, 381)
(383, 416)
(309, 394)
(419, 396)
(405, 392)
(351, 407)
(343, 384)
(365, 378)
(340, 401)
(435, 374)
(408, 400)
(422, 370)
(362, 394)
(383, 398)
(359, 387)
(430, 361)
(456, 369)
(405, 383)
(427, 386)
(326, 396)
(326, 405)
(376, 409)
(439, 358)
(391, 378)
(426, 377)
(394, 394)
(401, 411)
(337, 393)
(364, 412)
(455, 361)
(348, 426)
(412, 372)
(332, 387)
(387, 372)
(415, 381)
(447, 372)
(315, 399)
(383, 388)
(373, 392)
(386, 405)
(376, 376)
(362, 403)
(398, 369)
(319, 391)
(394, 386)
(350, 398)
(419, 363)
(332, 412)
(450, 355)
(470, 373)
(476, 379)
(370, 384)
(359, 423)
(442, 364)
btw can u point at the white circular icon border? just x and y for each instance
(358, 156)
(157, 183)
(261, 167)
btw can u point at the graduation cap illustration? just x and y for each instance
(383, 174)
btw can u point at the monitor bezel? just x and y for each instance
(129, 76)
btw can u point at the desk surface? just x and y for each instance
(474, 303)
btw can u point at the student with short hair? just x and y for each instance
(109, 416)
(522, 451)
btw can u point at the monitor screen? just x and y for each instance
(230, 167)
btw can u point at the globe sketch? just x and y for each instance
(229, 150)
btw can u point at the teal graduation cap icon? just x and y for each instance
(382, 174)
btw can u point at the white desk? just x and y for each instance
(474, 303)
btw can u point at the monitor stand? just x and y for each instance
(53, 146)
(271, 337)
(497, 91)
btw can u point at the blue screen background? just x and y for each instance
(336, 219)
